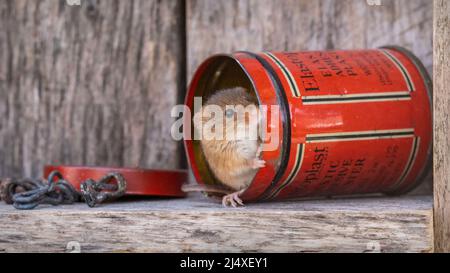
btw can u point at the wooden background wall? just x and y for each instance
(94, 84)
(224, 26)
(442, 125)
(89, 84)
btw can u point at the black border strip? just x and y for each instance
(358, 136)
(296, 169)
(286, 73)
(428, 167)
(365, 98)
(286, 120)
(410, 164)
(402, 69)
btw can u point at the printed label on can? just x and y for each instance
(353, 124)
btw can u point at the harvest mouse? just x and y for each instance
(233, 158)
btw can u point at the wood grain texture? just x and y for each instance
(90, 84)
(198, 225)
(255, 25)
(442, 125)
(294, 25)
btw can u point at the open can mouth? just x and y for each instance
(222, 72)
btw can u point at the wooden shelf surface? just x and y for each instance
(197, 224)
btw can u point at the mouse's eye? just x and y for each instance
(229, 113)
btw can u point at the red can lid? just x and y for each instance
(142, 182)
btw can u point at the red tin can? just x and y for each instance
(352, 122)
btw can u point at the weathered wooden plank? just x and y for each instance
(442, 125)
(255, 25)
(292, 25)
(199, 225)
(89, 84)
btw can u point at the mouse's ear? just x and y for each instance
(240, 89)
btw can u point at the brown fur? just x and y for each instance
(231, 161)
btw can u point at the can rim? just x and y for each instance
(191, 89)
(426, 169)
(286, 120)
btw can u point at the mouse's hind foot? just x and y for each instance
(233, 200)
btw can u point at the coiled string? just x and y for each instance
(27, 194)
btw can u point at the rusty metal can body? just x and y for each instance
(352, 122)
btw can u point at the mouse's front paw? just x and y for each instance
(258, 163)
